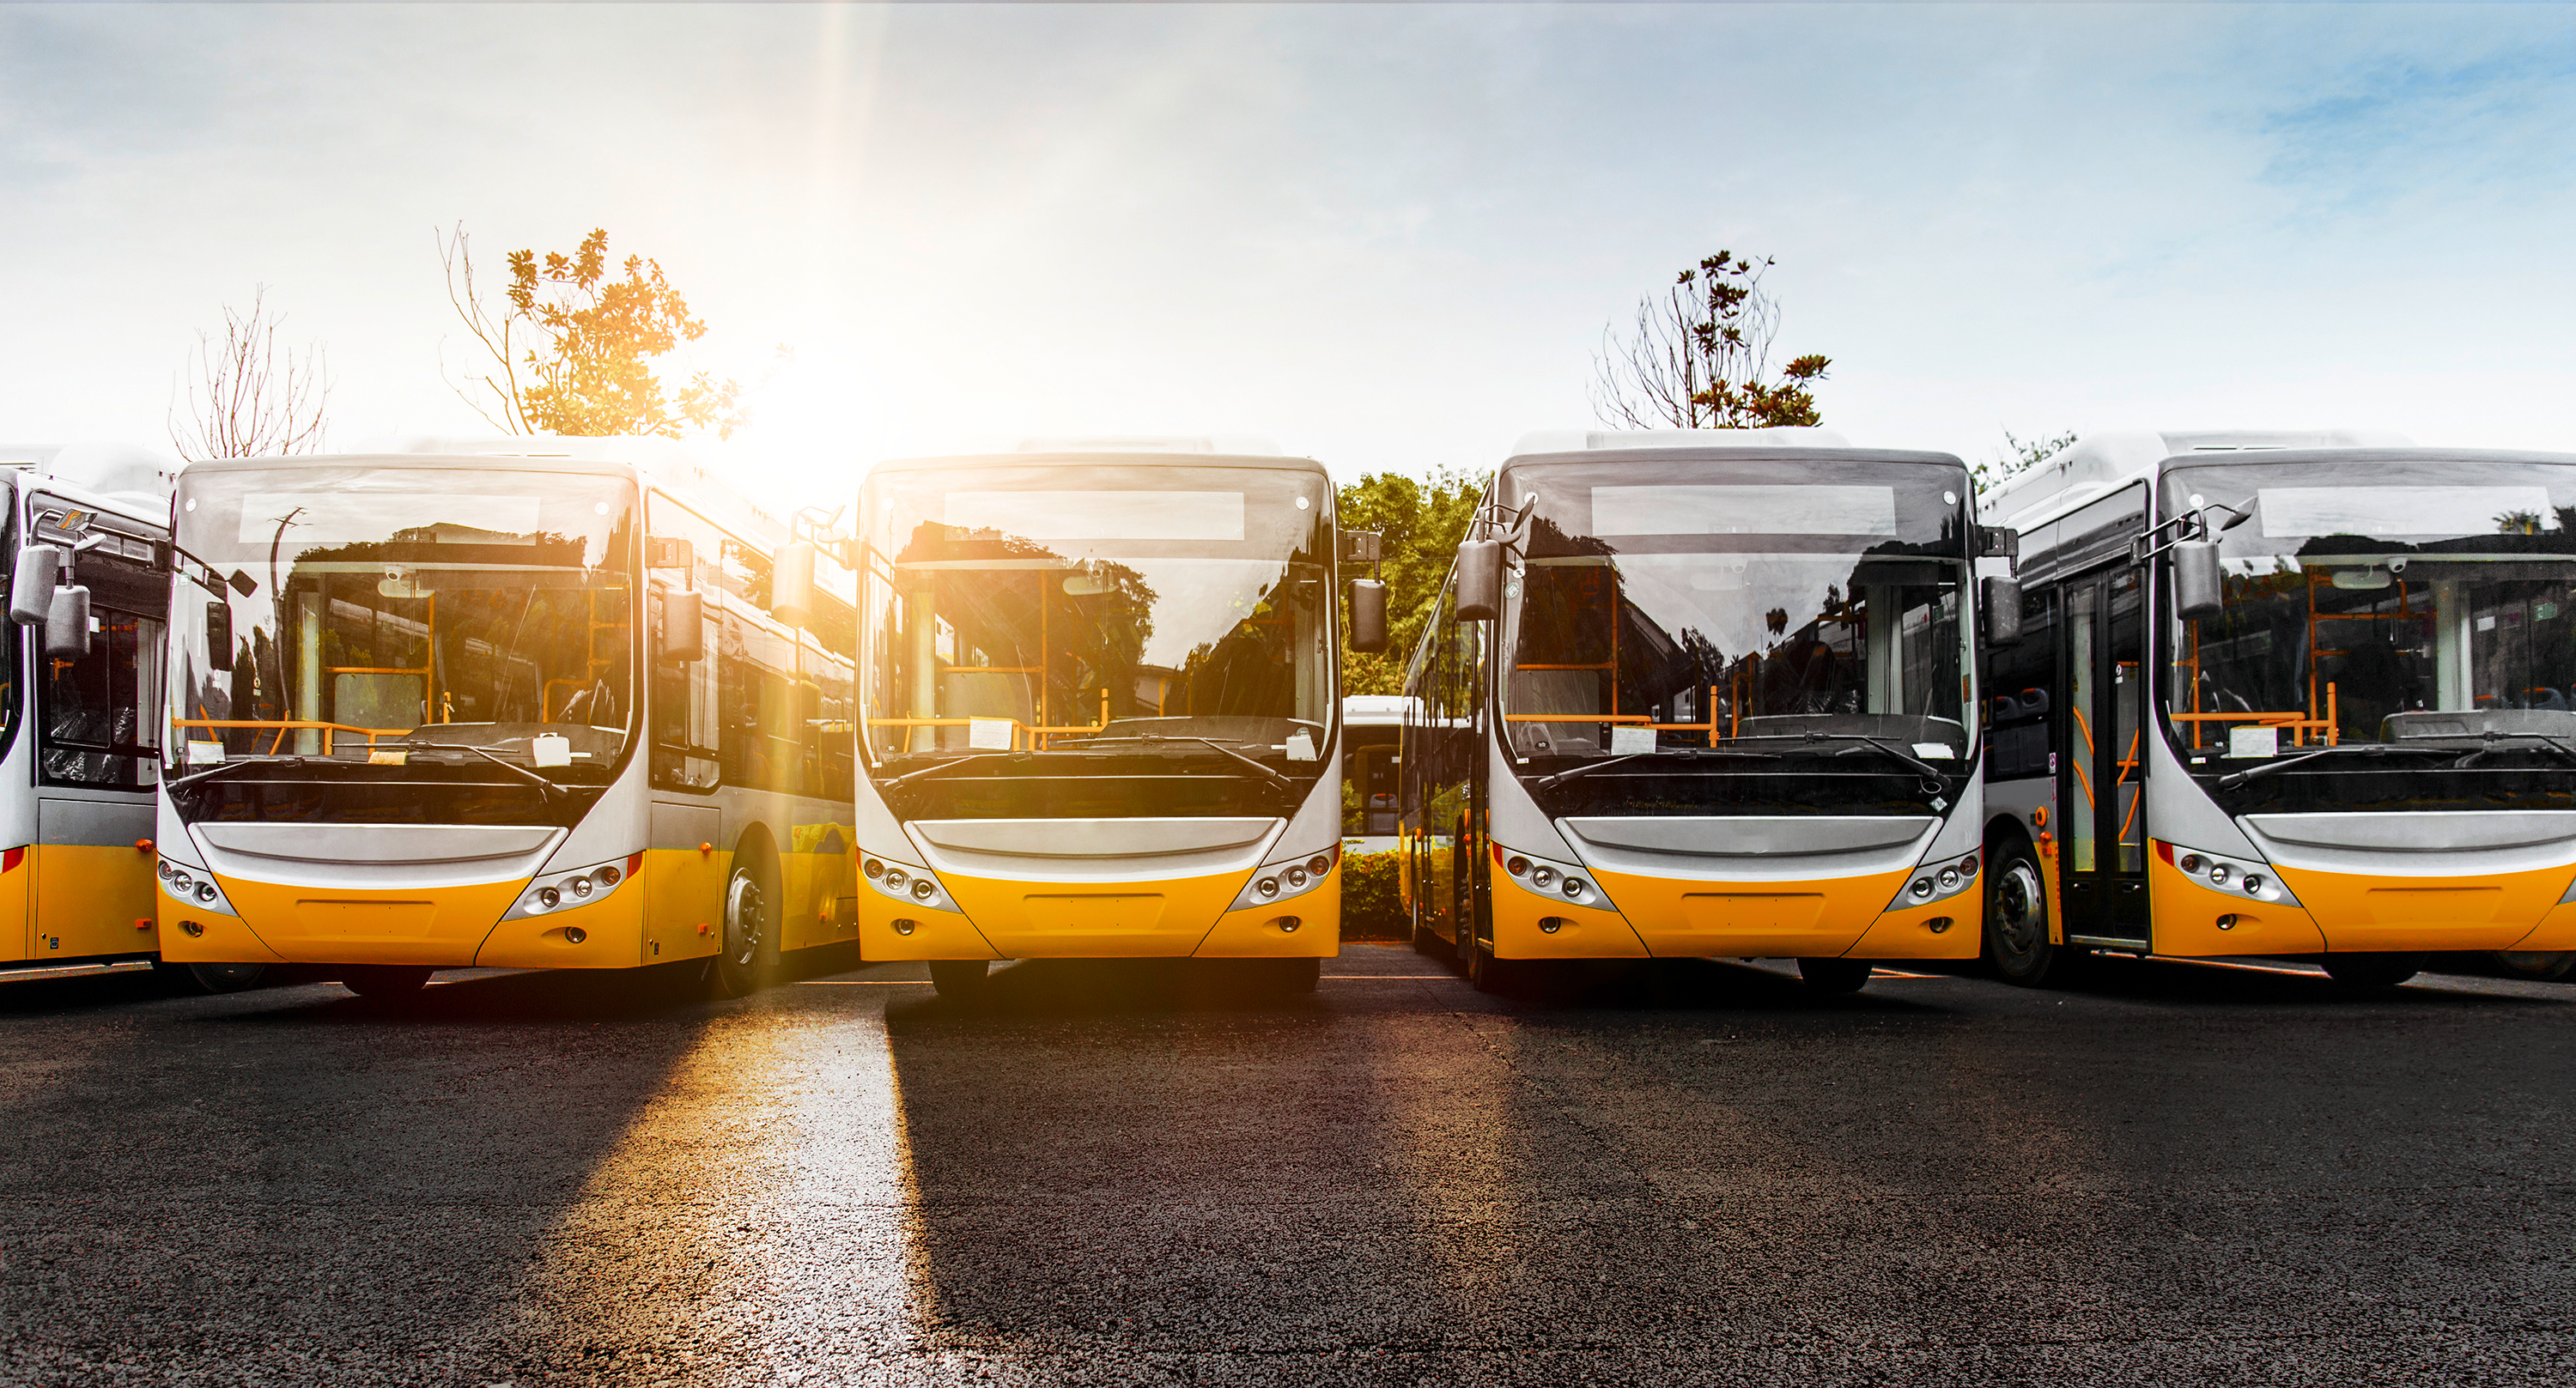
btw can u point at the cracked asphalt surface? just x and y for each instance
(1689, 1173)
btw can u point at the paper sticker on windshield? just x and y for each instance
(550, 749)
(2304, 512)
(1935, 750)
(1300, 746)
(1629, 742)
(205, 753)
(2253, 742)
(989, 734)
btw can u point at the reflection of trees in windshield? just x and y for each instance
(440, 625)
(1065, 649)
(1701, 647)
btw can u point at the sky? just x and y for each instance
(1387, 237)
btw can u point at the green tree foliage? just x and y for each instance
(2019, 455)
(1373, 897)
(1699, 357)
(1423, 524)
(574, 352)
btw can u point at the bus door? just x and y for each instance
(2104, 868)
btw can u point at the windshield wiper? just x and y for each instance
(1686, 754)
(1214, 745)
(546, 787)
(2233, 779)
(2493, 736)
(1881, 744)
(226, 769)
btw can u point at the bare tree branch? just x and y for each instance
(508, 411)
(1699, 356)
(247, 398)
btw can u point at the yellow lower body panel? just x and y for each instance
(2188, 913)
(1104, 920)
(1952, 928)
(2556, 931)
(1677, 918)
(1302, 927)
(1522, 918)
(89, 900)
(441, 927)
(2355, 911)
(683, 900)
(611, 937)
(934, 934)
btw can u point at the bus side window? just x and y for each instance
(100, 713)
(687, 711)
(2021, 693)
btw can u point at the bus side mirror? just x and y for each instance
(791, 584)
(67, 624)
(1368, 615)
(2001, 604)
(683, 637)
(1480, 580)
(31, 584)
(2199, 585)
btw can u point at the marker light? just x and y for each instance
(1517, 865)
(1542, 875)
(1279, 881)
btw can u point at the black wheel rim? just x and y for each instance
(744, 922)
(2021, 922)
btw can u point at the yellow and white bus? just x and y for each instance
(2287, 694)
(1701, 693)
(80, 683)
(1100, 708)
(543, 703)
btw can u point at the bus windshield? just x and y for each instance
(2394, 602)
(410, 621)
(1789, 607)
(1102, 607)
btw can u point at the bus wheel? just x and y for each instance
(381, 981)
(1486, 973)
(2527, 964)
(226, 978)
(750, 936)
(1835, 975)
(960, 980)
(1297, 975)
(2372, 970)
(2017, 920)
(1429, 944)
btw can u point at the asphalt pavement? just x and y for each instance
(1687, 1173)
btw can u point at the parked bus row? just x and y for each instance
(575, 703)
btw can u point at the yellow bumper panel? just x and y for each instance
(1908, 932)
(2358, 911)
(220, 939)
(1801, 919)
(1521, 918)
(1095, 920)
(441, 927)
(1262, 933)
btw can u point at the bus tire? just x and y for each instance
(384, 981)
(750, 947)
(1297, 975)
(226, 978)
(960, 980)
(2017, 947)
(1429, 945)
(1835, 975)
(2372, 971)
(1486, 974)
(2534, 965)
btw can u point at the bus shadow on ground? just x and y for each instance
(1693, 985)
(1128, 987)
(2272, 983)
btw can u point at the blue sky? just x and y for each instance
(1387, 236)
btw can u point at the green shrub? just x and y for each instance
(1372, 899)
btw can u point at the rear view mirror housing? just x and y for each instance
(1480, 580)
(31, 584)
(683, 637)
(791, 584)
(67, 624)
(1999, 604)
(1368, 615)
(2199, 581)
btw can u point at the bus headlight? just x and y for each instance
(193, 886)
(1282, 880)
(555, 890)
(914, 887)
(2227, 876)
(1937, 882)
(1555, 881)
